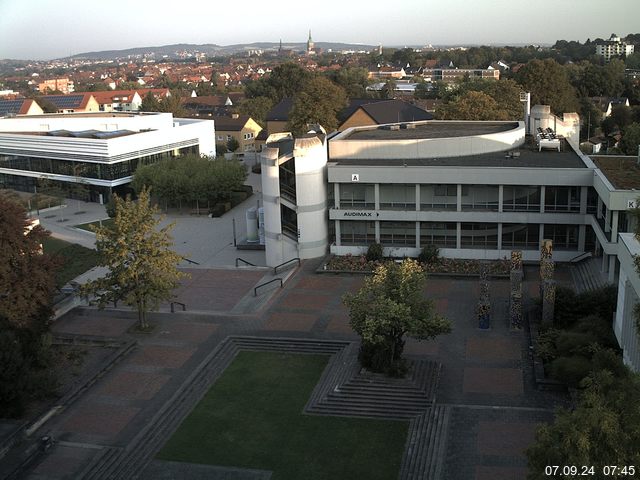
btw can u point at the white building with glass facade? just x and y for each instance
(99, 150)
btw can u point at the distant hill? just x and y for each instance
(175, 51)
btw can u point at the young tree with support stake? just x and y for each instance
(142, 267)
(390, 305)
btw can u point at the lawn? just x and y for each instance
(74, 259)
(87, 226)
(252, 418)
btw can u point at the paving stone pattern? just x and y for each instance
(475, 425)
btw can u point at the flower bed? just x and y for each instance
(451, 266)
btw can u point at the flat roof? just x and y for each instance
(622, 171)
(529, 157)
(432, 129)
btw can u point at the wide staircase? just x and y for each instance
(587, 276)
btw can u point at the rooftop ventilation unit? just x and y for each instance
(409, 126)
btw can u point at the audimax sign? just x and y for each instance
(360, 214)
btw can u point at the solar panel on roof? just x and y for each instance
(10, 106)
(65, 101)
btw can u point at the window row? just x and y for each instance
(102, 171)
(473, 197)
(444, 234)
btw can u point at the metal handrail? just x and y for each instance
(190, 261)
(577, 258)
(184, 307)
(243, 261)
(275, 269)
(255, 290)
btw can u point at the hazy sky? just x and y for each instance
(44, 29)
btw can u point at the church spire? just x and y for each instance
(310, 45)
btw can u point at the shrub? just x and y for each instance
(374, 253)
(221, 148)
(570, 307)
(429, 254)
(570, 370)
(571, 342)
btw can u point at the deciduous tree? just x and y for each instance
(390, 305)
(318, 102)
(549, 84)
(142, 267)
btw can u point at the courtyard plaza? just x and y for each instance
(486, 391)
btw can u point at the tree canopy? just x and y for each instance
(630, 141)
(549, 84)
(142, 268)
(190, 179)
(27, 285)
(604, 428)
(390, 305)
(319, 102)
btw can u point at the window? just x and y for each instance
(438, 197)
(248, 136)
(229, 137)
(564, 237)
(220, 138)
(357, 195)
(479, 235)
(521, 236)
(398, 197)
(480, 197)
(520, 199)
(398, 234)
(442, 235)
(562, 199)
(353, 232)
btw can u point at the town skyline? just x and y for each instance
(494, 22)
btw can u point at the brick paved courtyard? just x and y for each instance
(486, 376)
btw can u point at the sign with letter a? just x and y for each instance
(355, 177)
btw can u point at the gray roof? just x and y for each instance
(529, 158)
(433, 130)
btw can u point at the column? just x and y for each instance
(377, 230)
(612, 268)
(376, 195)
(614, 226)
(417, 234)
(336, 195)
(542, 195)
(584, 191)
(500, 201)
(541, 236)
(599, 210)
(458, 234)
(603, 267)
(582, 234)
(459, 200)
(338, 233)
(500, 230)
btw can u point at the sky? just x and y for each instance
(44, 29)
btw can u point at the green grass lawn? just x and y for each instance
(75, 259)
(87, 226)
(252, 418)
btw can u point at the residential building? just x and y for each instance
(241, 127)
(385, 73)
(606, 104)
(21, 106)
(451, 75)
(362, 112)
(74, 103)
(63, 85)
(278, 116)
(614, 47)
(100, 150)
(118, 100)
